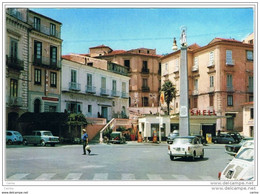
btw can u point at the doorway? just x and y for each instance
(104, 112)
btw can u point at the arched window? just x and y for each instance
(37, 106)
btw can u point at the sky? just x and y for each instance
(154, 28)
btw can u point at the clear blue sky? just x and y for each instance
(125, 29)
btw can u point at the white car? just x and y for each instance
(186, 146)
(13, 137)
(242, 165)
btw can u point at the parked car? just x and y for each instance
(236, 136)
(41, 137)
(172, 136)
(241, 167)
(186, 146)
(13, 137)
(223, 138)
(116, 137)
(232, 149)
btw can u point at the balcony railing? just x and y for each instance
(230, 62)
(145, 89)
(14, 101)
(14, 63)
(115, 93)
(17, 14)
(195, 92)
(211, 89)
(74, 86)
(90, 89)
(46, 30)
(104, 92)
(125, 95)
(195, 68)
(145, 71)
(230, 88)
(115, 68)
(250, 89)
(46, 62)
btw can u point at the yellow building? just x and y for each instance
(45, 63)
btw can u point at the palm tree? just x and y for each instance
(169, 93)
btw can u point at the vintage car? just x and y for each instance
(223, 138)
(41, 137)
(116, 137)
(186, 146)
(13, 137)
(172, 136)
(241, 167)
(232, 149)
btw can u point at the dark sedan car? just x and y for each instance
(233, 148)
(237, 137)
(223, 138)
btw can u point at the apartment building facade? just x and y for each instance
(145, 73)
(220, 81)
(45, 63)
(17, 66)
(93, 87)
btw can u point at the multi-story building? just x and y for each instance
(94, 87)
(220, 81)
(17, 66)
(145, 72)
(45, 63)
(248, 119)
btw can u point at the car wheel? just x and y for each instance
(43, 143)
(25, 142)
(202, 155)
(53, 144)
(172, 158)
(9, 142)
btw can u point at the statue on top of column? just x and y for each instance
(183, 38)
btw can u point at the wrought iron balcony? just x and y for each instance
(125, 95)
(46, 30)
(15, 63)
(90, 89)
(17, 14)
(74, 86)
(115, 93)
(145, 71)
(230, 88)
(14, 101)
(145, 89)
(119, 69)
(104, 92)
(47, 62)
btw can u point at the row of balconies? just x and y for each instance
(15, 63)
(228, 89)
(47, 62)
(46, 30)
(73, 86)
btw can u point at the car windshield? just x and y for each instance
(182, 141)
(47, 133)
(246, 154)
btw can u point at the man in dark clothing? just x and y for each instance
(85, 140)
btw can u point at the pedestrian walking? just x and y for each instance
(85, 141)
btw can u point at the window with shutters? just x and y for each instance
(229, 82)
(211, 81)
(229, 59)
(53, 79)
(37, 76)
(249, 55)
(13, 49)
(53, 53)
(37, 52)
(73, 76)
(13, 88)
(230, 100)
(52, 29)
(250, 84)
(37, 23)
(211, 58)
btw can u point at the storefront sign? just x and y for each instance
(50, 99)
(203, 112)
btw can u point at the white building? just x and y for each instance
(248, 119)
(93, 87)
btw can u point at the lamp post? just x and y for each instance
(184, 119)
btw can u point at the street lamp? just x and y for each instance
(184, 119)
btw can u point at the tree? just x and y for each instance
(169, 93)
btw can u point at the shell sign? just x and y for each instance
(203, 112)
